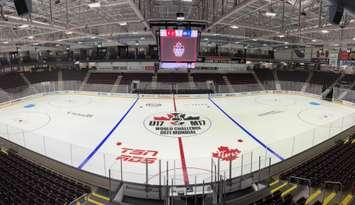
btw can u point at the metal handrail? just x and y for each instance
(78, 199)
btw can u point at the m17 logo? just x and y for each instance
(177, 124)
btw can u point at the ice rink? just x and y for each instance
(181, 137)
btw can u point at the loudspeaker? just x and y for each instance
(23, 7)
(335, 13)
(299, 53)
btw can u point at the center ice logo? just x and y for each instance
(177, 124)
(179, 49)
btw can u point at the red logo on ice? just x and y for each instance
(226, 154)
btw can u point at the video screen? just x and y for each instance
(178, 45)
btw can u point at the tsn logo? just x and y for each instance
(137, 155)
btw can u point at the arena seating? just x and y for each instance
(324, 78)
(298, 76)
(127, 78)
(102, 78)
(11, 80)
(266, 77)
(241, 78)
(203, 77)
(23, 182)
(74, 75)
(336, 164)
(173, 77)
(37, 77)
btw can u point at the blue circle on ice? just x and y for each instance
(314, 103)
(29, 106)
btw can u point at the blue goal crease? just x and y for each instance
(86, 160)
(247, 132)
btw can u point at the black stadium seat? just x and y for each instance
(23, 182)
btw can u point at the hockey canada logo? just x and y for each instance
(177, 124)
(179, 49)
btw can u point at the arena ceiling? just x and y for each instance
(56, 24)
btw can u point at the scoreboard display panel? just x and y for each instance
(178, 46)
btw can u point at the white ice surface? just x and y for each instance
(68, 127)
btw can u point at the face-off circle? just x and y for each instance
(177, 124)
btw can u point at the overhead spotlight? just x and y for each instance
(24, 26)
(180, 16)
(324, 31)
(282, 36)
(36, 44)
(94, 5)
(205, 39)
(286, 46)
(79, 42)
(314, 40)
(142, 38)
(93, 37)
(234, 27)
(354, 39)
(336, 44)
(123, 23)
(134, 32)
(5, 42)
(270, 14)
(237, 42)
(57, 45)
(69, 32)
(30, 37)
(286, 43)
(187, 0)
(254, 39)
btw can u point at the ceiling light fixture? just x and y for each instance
(282, 36)
(24, 26)
(234, 27)
(270, 14)
(123, 23)
(69, 32)
(314, 40)
(5, 42)
(324, 31)
(30, 37)
(94, 5)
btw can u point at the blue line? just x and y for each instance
(246, 131)
(107, 136)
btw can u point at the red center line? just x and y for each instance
(182, 155)
(183, 162)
